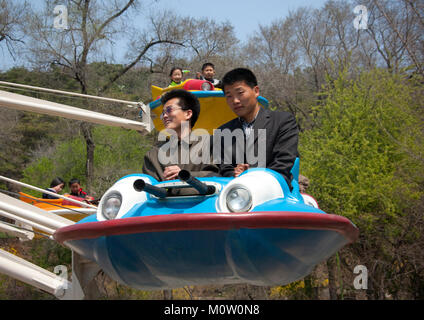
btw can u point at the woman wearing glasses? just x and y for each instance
(165, 160)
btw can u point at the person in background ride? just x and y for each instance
(176, 76)
(208, 74)
(56, 186)
(76, 190)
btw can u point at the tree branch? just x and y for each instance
(137, 59)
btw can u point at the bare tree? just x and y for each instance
(11, 17)
(206, 38)
(164, 37)
(344, 38)
(90, 31)
(285, 53)
(274, 55)
(395, 29)
(274, 46)
(201, 40)
(314, 36)
(405, 20)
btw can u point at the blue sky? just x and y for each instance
(244, 15)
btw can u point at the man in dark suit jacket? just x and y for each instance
(270, 138)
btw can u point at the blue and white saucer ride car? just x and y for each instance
(250, 229)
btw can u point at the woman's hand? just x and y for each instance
(240, 168)
(171, 172)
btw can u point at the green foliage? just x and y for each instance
(48, 254)
(364, 159)
(118, 152)
(364, 136)
(66, 161)
(28, 131)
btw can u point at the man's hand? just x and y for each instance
(240, 168)
(171, 172)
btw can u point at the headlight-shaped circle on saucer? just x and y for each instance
(111, 205)
(206, 86)
(239, 199)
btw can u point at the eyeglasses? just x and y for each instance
(168, 110)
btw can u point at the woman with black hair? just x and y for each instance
(181, 110)
(56, 186)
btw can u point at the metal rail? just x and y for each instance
(20, 102)
(33, 275)
(69, 93)
(84, 204)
